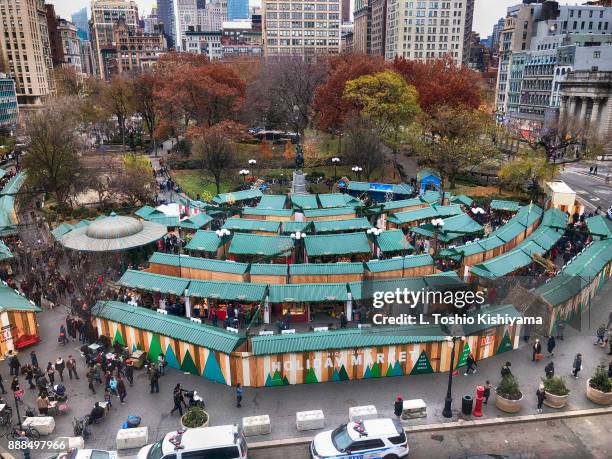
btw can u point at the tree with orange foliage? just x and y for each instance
(289, 152)
(266, 150)
(440, 82)
(330, 107)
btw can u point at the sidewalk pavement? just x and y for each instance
(281, 403)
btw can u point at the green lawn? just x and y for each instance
(193, 182)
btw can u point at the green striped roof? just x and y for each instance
(258, 244)
(204, 241)
(545, 237)
(269, 269)
(396, 263)
(600, 226)
(10, 300)
(250, 224)
(499, 204)
(62, 230)
(306, 293)
(502, 265)
(292, 227)
(396, 188)
(143, 280)
(331, 212)
(529, 214)
(391, 205)
(454, 227)
(175, 327)
(229, 291)
(393, 241)
(431, 196)
(237, 196)
(555, 218)
(166, 220)
(509, 231)
(338, 200)
(349, 224)
(5, 252)
(196, 221)
(247, 211)
(365, 290)
(269, 201)
(304, 201)
(322, 269)
(336, 244)
(206, 264)
(344, 339)
(13, 185)
(424, 213)
(462, 199)
(145, 211)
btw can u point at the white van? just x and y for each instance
(369, 439)
(219, 442)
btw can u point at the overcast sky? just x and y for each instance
(486, 13)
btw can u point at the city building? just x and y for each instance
(537, 57)
(165, 16)
(88, 62)
(70, 45)
(301, 29)
(55, 42)
(199, 16)
(241, 39)
(237, 9)
(429, 29)
(80, 20)
(497, 29)
(347, 42)
(207, 43)
(25, 49)
(136, 51)
(150, 23)
(362, 27)
(9, 109)
(378, 27)
(104, 15)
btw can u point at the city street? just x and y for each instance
(592, 190)
(585, 438)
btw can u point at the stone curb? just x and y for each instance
(453, 425)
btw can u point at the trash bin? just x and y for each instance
(466, 404)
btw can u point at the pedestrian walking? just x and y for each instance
(487, 391)
(537, 350)
(577, 366)
(153, 378)
(239, 392)
(62, 338)
(161, 364)
(29, 373)
(16, 388)
(176, 398)
(601, 333)
(470, 363)
(34, 359)
(541, 396)
(549, 370)
(25, 441)
(550, 346)
(398, 406)
(560, 330)
(71, 365)
(129, 372)
(2, 384)
(42, 402)
(60, 365)
(14, 364)
(108, 398)
(121, 390)
(51, 373)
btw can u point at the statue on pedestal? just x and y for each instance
(299, 158)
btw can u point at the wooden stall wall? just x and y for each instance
(267, 279)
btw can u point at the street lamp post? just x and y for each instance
(448, 412)
(298, 236)
(357, 170)
(477, 211)
(223, 234)
(335, 160)
(375, 232)
(244, 173)
(252, 163)
(438, 224)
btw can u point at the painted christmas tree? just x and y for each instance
(464, 355)
(505, 344)
(311, 377)
(342, 374)
(335, 375)
(171, 358)
(154, 348)
(188, 365)
(422, 365)
(395, 370)
(375, 371)
(118, 338)
(212, 370)
(275, 380)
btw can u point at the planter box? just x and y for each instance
(203, 425)
(256, 425)
(44, 424)
(508, 406)
(310, 420)
(361, 413)
(132, 438)
(597, 396)
(555, 401)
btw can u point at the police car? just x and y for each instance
(369, 439)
